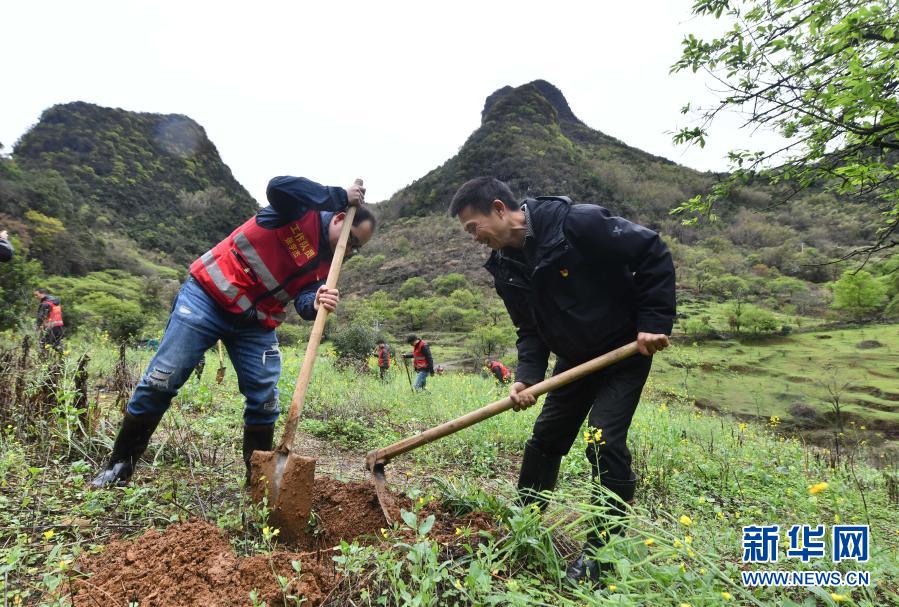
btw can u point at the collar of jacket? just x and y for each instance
(547, 216)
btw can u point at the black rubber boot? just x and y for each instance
(539, 472)
(256, 438)
(585, 567)
(130, 444)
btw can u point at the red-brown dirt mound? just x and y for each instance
(192, 563)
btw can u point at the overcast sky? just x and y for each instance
(334, 90)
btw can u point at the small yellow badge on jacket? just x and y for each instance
(564, 273)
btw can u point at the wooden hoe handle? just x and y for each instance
(382, 456)
(315, 338)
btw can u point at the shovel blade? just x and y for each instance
(384, 498)
(288, 481)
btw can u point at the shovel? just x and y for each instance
(377, 459)
(408, 376)
(220, 372)
(288, 479)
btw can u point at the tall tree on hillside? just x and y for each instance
(821, 73)
(858, 294)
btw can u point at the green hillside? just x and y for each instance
(114, 179)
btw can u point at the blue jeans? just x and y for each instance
(196, 323)
(420, 380)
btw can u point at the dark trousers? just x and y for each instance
(607, 399)
(52, 338)
(383, 373)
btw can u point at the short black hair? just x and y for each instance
(480, 193)
(410, 339)
(41, 290)
(362, 215)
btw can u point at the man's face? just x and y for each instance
(359, 235)
(491, 230)
(38, 295)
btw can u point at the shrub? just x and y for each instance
(353, 345)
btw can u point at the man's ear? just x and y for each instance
(499, 206)
(339, 217)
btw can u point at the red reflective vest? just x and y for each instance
(495, 364)
(419, 362)
(54, 317)
(383, 357)
(262, 268)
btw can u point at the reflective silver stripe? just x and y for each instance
(258, 266)
(222, 283)
(243, 303)
(278, 316)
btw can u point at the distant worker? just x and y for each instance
(500, 371)
(6, 249)
(238, 292)
(49, 323)
(383, 358)
(421, 360)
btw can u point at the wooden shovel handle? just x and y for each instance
(382, 456)
(315, 338)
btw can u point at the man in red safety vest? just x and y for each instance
(421, 360)
(237, 292)
(50, 325)
(500, 371)
(383, 358)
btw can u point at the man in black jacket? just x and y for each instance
(577, 282)
(6, 249)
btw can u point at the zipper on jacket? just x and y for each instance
(246, 267)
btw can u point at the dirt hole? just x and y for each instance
(192, 563)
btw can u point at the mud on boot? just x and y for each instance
(130, 444)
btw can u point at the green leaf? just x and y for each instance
(426, 525)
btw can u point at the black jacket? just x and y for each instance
(584, 283)
(6, 250)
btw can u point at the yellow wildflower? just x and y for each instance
(49, 534)
(457, 584)
(612, 587)
(774, 421)
(688, 539)
(649, 542)
(727, 596)
(663, 407)
(742, 426)
(814, 489)
(686, 605)
(838, 598)
(836, 518)
(685, 520)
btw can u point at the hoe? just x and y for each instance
(288, 479)
(377, 459)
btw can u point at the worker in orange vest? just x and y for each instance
(422, 361)
(500, 371)
(50, 325)
(383, 353)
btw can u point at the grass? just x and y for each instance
(793, 377)
(717, 471)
